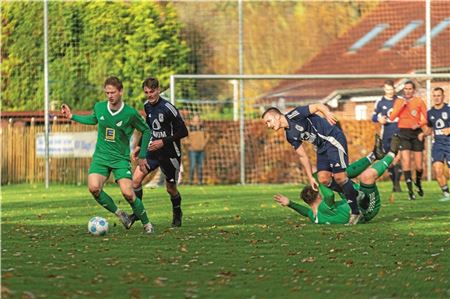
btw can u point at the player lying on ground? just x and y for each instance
(323, 209)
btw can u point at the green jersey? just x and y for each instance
(115, 129)
(338, 212)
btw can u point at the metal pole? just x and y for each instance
(428, 72)
(241, 93)
(46, 92)
(172, 89)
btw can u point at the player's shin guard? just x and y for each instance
(357, 167)
(392, 174)
(106, 201)
(383, 164)
(351, 194)
(139, 210)
(176, 202)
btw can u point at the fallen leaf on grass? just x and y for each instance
(160, 281)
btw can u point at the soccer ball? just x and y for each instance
(98, 226)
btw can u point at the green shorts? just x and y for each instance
(370, 205)
(123, 171)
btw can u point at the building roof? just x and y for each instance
(394, 29)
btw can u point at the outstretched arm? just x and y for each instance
(285, 202)
(85, 119)
(304, 160)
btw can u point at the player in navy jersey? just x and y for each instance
(164, 150)
(383, 109)
(303, 124)
(439, 122)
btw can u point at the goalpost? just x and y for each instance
(241, 111)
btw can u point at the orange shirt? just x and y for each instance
(411, 113)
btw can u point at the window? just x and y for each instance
(368, 37)
(435, 31)
(401, 34)
(360, 112)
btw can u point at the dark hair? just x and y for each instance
(151, 83)
(308, 194)
(114, 81)
(389, 82)
(439, 89)
(271, 109)
(410, 82)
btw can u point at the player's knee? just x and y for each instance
(172, 189)
(367, 178)
(95, 191)
(341, 179)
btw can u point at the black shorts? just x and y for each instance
(169, 166)
(409, 140)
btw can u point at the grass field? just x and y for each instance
(235, 243)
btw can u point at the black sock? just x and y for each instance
(176, 202)
(444, 188)
(392, 174)
(335, 186)
(398, 173)
(419, 176)
(139, 192)
(408, 180)
(351, 194)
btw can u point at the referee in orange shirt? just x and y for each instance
(412, 115)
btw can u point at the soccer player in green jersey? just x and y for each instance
(323, 209)
(116, 123)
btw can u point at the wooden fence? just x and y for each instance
(269, 158)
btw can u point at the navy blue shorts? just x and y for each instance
(169, 166)
(335, 157)
(440, 153)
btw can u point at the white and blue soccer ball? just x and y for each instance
(98, 226)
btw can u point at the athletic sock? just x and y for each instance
(139, 210)
(408, 180)
(357, 167)
(351, 194)
(106, 201)
(445, 189)
(176, 202)
(419, 176)
(383, 164)
(139, 192)
(371, 157)
(392, 174)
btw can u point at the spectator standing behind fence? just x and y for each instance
(197, 141)
(412, 115)
(383, 109)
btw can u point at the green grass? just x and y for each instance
(235, 243)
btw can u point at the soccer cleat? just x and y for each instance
(124, 219)
(133, 219)
(378, 148)
(419, 188)
(354, 219)
(176, 220)
(446, 194)
(148, 228)
(412, 196)
(395, 144)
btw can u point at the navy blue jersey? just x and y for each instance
(304, 126)
(384, 107)
(168, 125)
(439, 119)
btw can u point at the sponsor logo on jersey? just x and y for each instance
(162, 134)
(110, 134)
(156, 125)
(161, 117)
(414, 112)
(119, 123)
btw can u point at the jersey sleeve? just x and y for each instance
(140, 125)
(302, 210)
(399, 105)
(86, 119)
(179, 127)
(376, 112)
